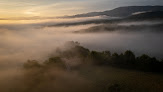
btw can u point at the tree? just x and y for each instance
(129, 57)
(115, 58)
(98, 57)
(55, 62)
(32, 64)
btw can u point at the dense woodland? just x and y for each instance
(77, 53)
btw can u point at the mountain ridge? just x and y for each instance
(123, 11)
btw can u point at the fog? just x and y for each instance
(47, 20)
(21, 42)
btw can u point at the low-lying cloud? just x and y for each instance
(20, 42)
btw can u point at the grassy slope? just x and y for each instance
(128, 81)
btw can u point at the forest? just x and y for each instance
(126, 60)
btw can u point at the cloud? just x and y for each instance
(49, 8)
(63, 7)
(21, 42)
(58, 9)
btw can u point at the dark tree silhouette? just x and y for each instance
(124, 60)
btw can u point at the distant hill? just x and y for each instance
(120, 12)
(146, 16)
(141, 16)
(122, 28)
(132, 17)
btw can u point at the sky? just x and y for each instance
(44, 8)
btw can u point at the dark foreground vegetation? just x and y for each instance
(74, 68)
(83, 56)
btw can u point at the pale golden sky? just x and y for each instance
(18, 8)
(44, 8)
